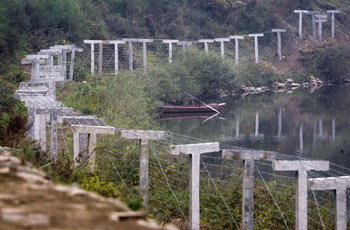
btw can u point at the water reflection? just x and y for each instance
(312, 124)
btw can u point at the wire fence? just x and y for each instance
(158, 52)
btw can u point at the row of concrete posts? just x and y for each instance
(316, 17)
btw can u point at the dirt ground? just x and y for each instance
(29, 201)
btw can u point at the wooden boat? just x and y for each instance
(191, 108)
(181, 116)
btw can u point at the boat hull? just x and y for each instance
(191, 108)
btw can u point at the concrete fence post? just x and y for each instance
(256, 42)
(194, 150)
(279, 42)
(320, 19)
(301, 168)
(279, 131)
(144, 137)
(185, 44)
(333, 12)
(93, 42)
(170, 42)
(206, 41)
(237, 38)
(222, 45)
(116, 54)
(54, 113)
(339, 185)
(301, 12)
(313, 13)
(248, 158)
(91, 132)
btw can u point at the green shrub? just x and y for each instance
(193, 71)
(331, 63)
(252, 74)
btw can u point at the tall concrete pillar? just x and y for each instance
(237, 128)
(170, 42)
(194, 150)
(320, 19)
(206, 41)
(333, 12)
(301, 12)
(248, 158)
(144, 137)
(93, 42)
(72, 62)
(301, 168)
(256, 45)
(222, 45)
(279, 43)
(144, 51)
(116, 54)
(333, 129)
(301, 139)
(279, 129)
(313, 13)
(320, 125)
(237, 38)
(339, 185)
(185, 44)
(257, 124)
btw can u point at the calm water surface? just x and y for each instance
(309, 123)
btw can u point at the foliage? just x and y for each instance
(13, 122)
(331, 63)
(135, 203)
(252, 74)
(198, 73)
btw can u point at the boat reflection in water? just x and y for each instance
(200, 116)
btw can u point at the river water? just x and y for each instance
(311, 123)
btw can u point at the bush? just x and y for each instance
(252, 74)
(331, 63)
(198, 73)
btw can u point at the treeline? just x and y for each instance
(29, 25)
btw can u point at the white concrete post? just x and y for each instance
(279, 43)
(72, 62)
(144, 51)
(320, 124)
(313, 13)
(42, 131)
(237, 38)
(237, 128)
(279, 131)
(339, 185)
(301, 168)
(194, 150)
(301, 12)
(301, 139)
(222, 45)
(93, 42)
(333, 12)
(185, 44)
(131, 56)
(248, 158)
(170, 42)
(144, 137)
(320, 19)
(333, 129)
(92, 132)
(35, 61)
(100, 59)
(116, 54)
(256, 42)
(206, 41)
(54, 113)
(256, 124)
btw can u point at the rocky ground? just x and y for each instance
(29, 200)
